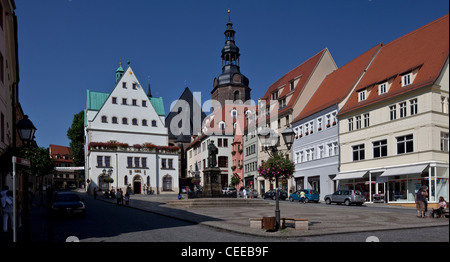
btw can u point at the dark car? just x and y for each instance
(272, 195)
(67, 203)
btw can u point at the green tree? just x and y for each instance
(76, 134)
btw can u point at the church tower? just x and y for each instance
(231, 84)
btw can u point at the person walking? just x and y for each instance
(7, 210)
(127, 198)
(119, 196)
(245, 193)
(420, 203)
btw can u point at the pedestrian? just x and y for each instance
(119, 196)
(95, 193)
(302, 196)
(442, 205)
(245, 193)
(425, 195)
(127, 197)
(420, 203)
(7, 210)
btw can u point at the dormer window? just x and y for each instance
(362, 96)
(406, 79)
(382, 88)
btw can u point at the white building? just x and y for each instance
(127, 141)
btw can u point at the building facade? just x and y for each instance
(394, 127)
(285, 99)
(127, 141)
(316, 145)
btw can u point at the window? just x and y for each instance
(107, 161)
(124, 101)
(350, 124)
(406, 79)
(134, 86)
(144, 122)
(234, 113)
(223, 161)
(134, 122)
(104, 119)
(366, 120)
(114, 100)
(362, 96)
(292, 85)
(393, 112)
(154, 123)
(163, 163)
(382, 88)
(358, 122)
(144, 103)
(444, 142)
(413, 106)
(99, 161)
(222, 125)
(219, 142)
(144, 162)
(124, 84)
(320, 153)
(129, 161)
(405, 144)
(170, 163)
(125, 121)
(379, 148)
(358, 152)
(225, 142)
(136, 161)
(134, 102)
(114, 120)
(402, 109)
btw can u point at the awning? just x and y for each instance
(350, 175)
(404, 170)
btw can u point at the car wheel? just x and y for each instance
(328, 201)
(291, 199)
(306, 200)
(274, 198)
(347, 202)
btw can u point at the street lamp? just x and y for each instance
(26, 130)
(269, 141)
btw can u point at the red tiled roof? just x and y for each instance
(304, 70)
(426, 48)
(62, 151)
(337, 85)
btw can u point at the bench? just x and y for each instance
(256, 222)
(299, 223)
(445, 212)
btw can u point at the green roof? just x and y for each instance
(95, 100)
(158, 105)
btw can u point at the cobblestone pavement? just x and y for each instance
(323, 219)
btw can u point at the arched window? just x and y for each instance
(125, 121)
(104, 119)
(236, 95)
(154, 123)
(114, 120)
(125, 180)
(135, 122)
(144, 122)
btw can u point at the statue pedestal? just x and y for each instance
(212, 185)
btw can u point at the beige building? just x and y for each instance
(285, 99)
(394, 129)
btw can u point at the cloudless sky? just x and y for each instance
(69, 46)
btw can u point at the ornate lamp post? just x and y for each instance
(269, 140)
(26, 131)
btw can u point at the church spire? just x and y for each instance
(149, 91)
(119, 72)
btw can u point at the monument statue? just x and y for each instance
(212, 155)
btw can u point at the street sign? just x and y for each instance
(21, 161)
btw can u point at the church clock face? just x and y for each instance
(237, 78)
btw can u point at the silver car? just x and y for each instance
(347, 197)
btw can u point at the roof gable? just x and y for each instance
(424, 50)
(337, 85)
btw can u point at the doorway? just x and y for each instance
(137, 182)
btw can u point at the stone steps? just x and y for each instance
(215, 202)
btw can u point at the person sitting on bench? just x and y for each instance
(442, 205)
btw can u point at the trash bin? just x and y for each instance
(269, 223)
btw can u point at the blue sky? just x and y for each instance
(69, 46)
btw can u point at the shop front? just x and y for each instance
(398, 184)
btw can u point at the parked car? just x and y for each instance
(67, 203)
(252, 193)
(347, 197)
(310, 195)
(229, 191)
(272, 195)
